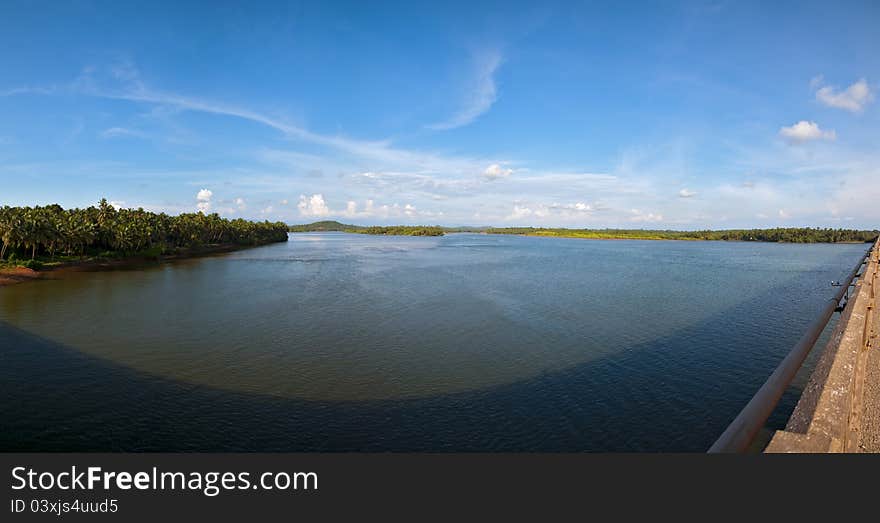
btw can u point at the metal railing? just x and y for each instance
(741, 432)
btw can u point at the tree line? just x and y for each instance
(52, 230)
(781, 234)
(787, 235)
(404, 230)
(393, 230)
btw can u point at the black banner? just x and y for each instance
(149, 487)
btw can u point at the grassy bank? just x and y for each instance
(787, 235)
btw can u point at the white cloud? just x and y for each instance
(520, 211)
(372, 210)
(317, 206)
(854, 98)
(241, 204)
(805, 131)
(482, 94)
(686, 193)
(784, 215)
(313, 205)
(571, 208)
(117, 204)
(495, 171)
(203, 199)
(801, 180)
(545, 210)
(639, 216)
(434, 184)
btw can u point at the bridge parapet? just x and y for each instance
(839, 410)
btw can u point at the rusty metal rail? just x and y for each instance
(741, 432)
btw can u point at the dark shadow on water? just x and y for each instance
(675, 393)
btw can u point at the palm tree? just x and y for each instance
(52, 228)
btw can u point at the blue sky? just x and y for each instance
(599, 114)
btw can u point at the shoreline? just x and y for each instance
(616, 238)
(15, 275)
(581, 237)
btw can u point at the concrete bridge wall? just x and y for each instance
(839, 410)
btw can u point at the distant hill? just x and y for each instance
(325, 226)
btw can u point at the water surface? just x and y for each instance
(335, 341)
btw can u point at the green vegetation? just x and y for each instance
(50, 235)
(465, 229)
(789, 235)
(396, 230)
(325, 226)
(405, 230)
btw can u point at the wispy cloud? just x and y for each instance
(123, 82)
(361, 179)
(482, 92)
(127, 85)
(121, 132)
(854, 98)
(15, 91)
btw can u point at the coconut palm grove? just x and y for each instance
(52, 233)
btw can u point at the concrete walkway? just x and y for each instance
(839, 410)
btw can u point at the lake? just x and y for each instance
(465, 342)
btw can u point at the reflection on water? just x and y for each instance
(463, 342)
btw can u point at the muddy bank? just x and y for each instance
(13, 275)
